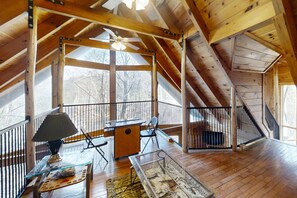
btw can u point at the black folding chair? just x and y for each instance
(95, 143)
(150, 132)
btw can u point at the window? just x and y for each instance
(133, 86)
(43, 91)
(289, 114)
(85, 86)
(12, 106)
(12, 101)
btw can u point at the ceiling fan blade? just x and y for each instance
(114, 36)
(111, 4)
(132, 46)
(135, 39)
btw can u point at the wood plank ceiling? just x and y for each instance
(225, 39)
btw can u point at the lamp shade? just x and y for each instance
(55, 126)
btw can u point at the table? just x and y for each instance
(48, 174)
(126, 136)
(162, 176)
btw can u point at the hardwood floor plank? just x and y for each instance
(268, 169)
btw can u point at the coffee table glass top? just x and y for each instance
(161, 176)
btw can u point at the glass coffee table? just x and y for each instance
(161, 176)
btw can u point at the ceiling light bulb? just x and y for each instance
(141, 4)
(128, 3)
(118, 45)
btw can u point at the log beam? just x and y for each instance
(54, 70)
(106, 18)
(247, 21)
(113, 86)
(155, 86)
(29, 85)
(103, 45)
(184, 99)
(61, 76)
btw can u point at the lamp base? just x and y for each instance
(54, 158)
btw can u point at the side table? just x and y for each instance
(48, 177)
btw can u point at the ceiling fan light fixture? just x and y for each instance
(118, 45)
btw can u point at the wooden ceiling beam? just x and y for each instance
(103, 45)
(170, 71)
(209, 82)
(11, 9)
(46, 28)
(255, 18)
(134, 68)
(286, 29)
(189, 8)
(93, 65)
(86, 64)
(45, 48)
(196, 17)
(190, 57)
(18, 46)
(173, 61)
(177, 63)
(105, 18)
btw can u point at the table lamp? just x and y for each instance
(55, 127)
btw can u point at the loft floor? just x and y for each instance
(268, 169)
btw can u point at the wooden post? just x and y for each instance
(29, 84)
(54, 70)
(184, 98)
(112, 82)
(155, 87)
(61, 74)
(233, 119)
(276, 94)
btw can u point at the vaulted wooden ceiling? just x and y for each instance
(227, 40)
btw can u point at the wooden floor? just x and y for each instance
(268, 169)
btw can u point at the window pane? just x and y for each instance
(43, 91)
(289, 134)
(289, 107)
(85, 86)
(167, 93)
(12, 106)
(133, 86)
(126, 58)
(92, 54)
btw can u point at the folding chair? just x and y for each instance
(95, 143)
(150, 132)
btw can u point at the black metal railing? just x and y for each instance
(41, 148)
(169, 113)
(93, 117)
(248, 129)
(13, 160)
(272, 123)
(209, 127)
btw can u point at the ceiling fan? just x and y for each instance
(120, 43)
(139, 4)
